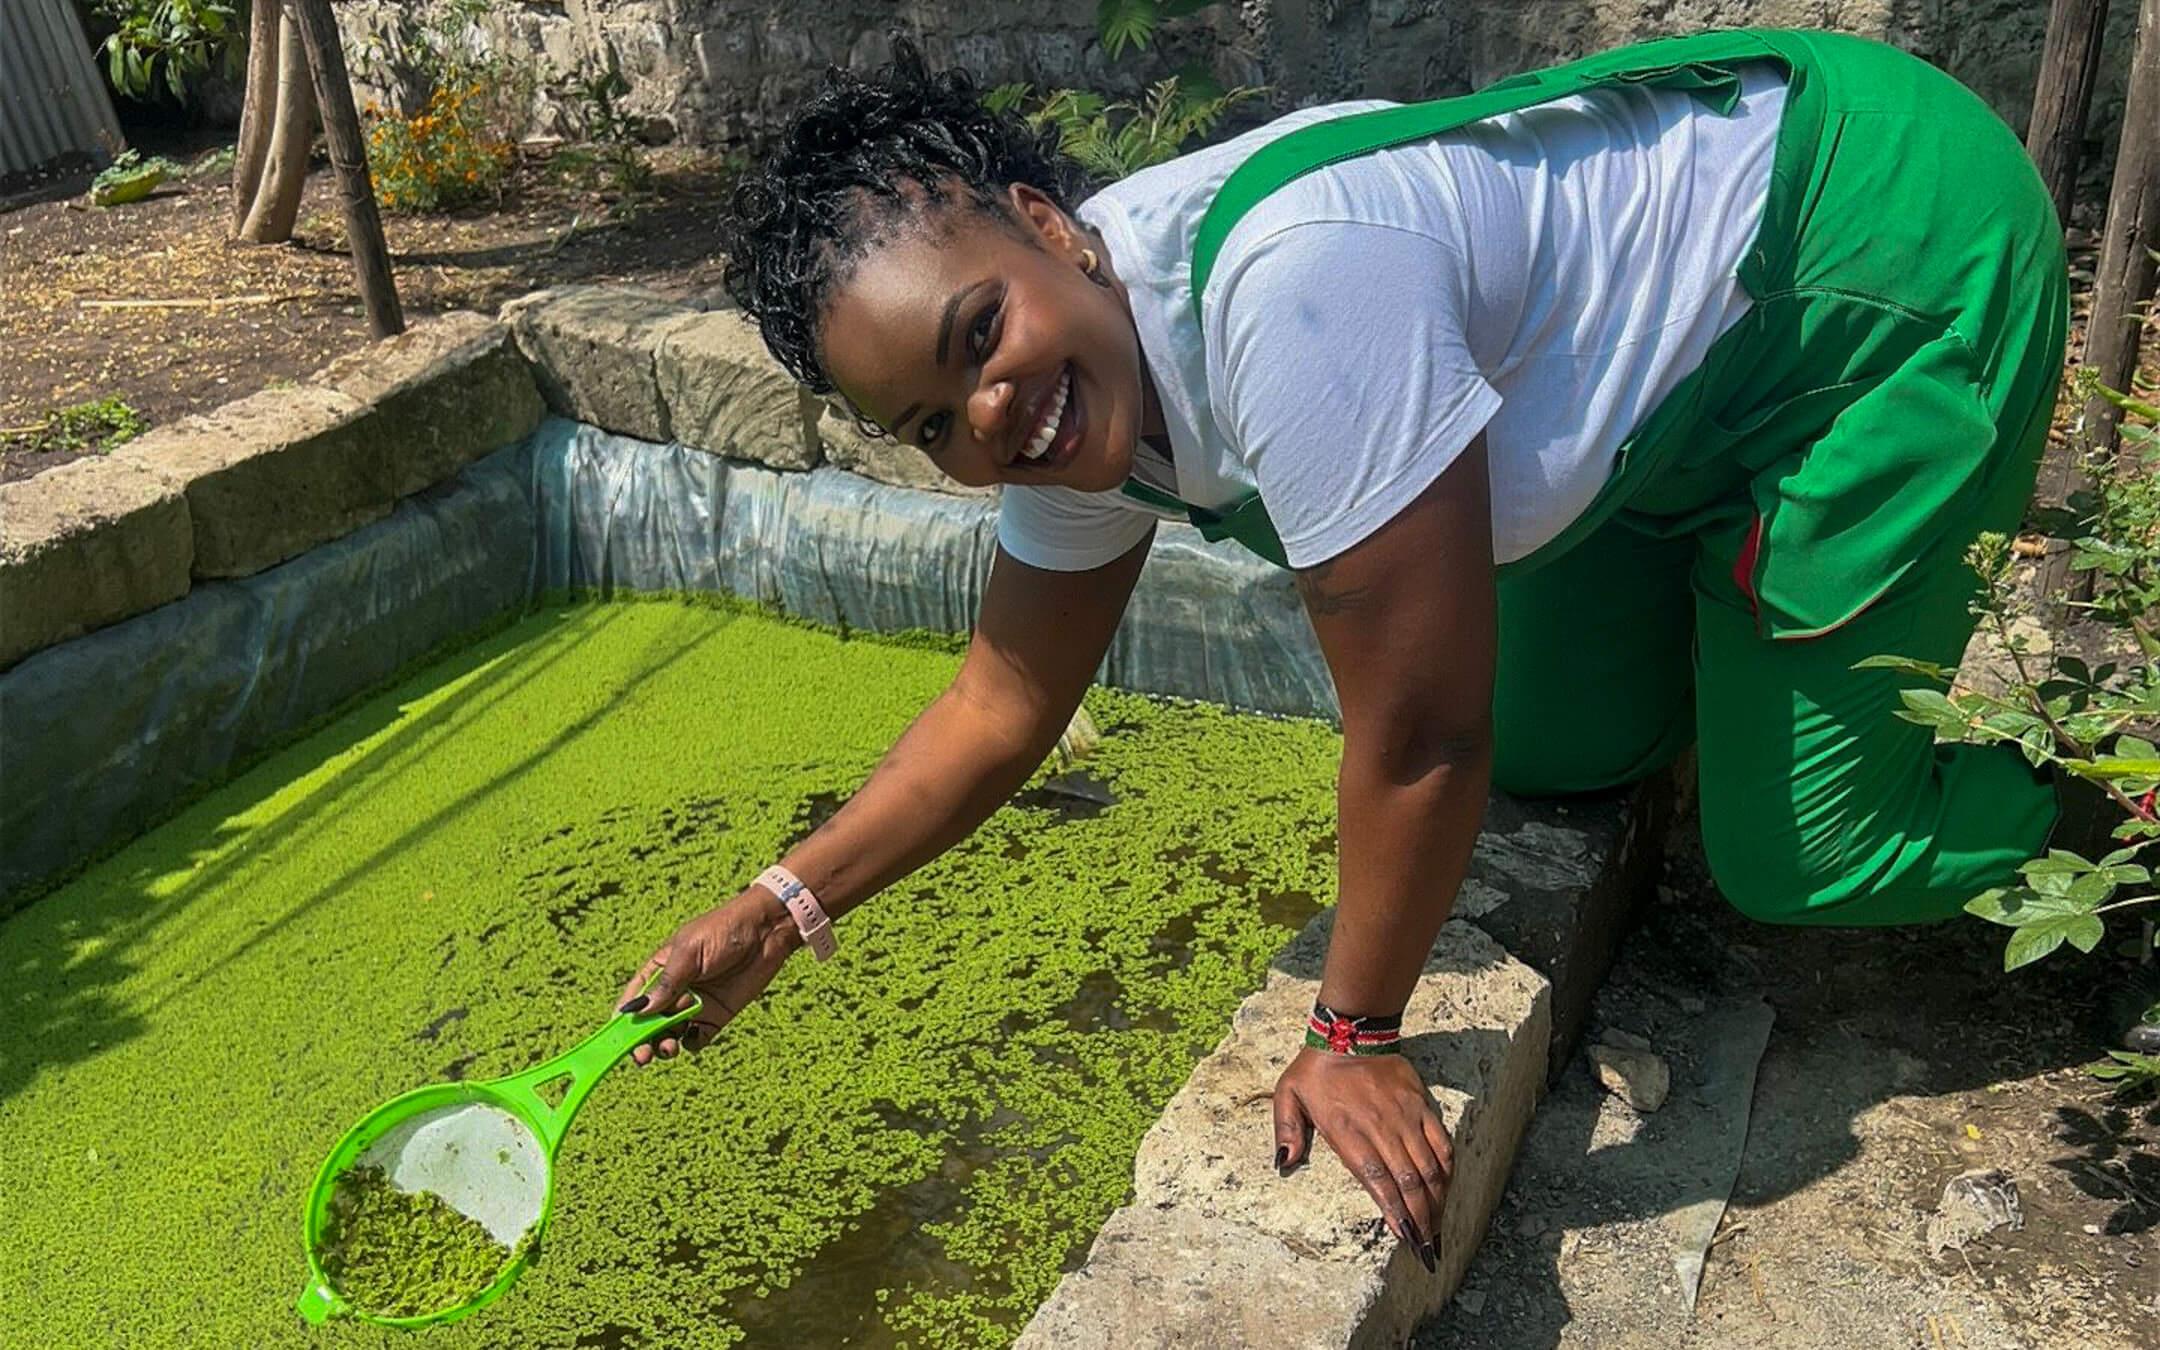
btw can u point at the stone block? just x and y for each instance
(887, 461)
(271, 475)
(84, 545)
(1477, 1027)
(725, 393)
(442, 394)
(1559, 884)
(594, 351)
(1169, 1279)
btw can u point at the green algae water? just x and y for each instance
(903, 1147)
(402, 1253)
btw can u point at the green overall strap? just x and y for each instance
(1698, 64)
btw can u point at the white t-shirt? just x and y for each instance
(1546, 277)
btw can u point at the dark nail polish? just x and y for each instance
(1429, 1257)
(1282, 1156)
(634, 1005)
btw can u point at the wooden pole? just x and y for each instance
(2124, 279)
(348, 156)
(2068, 62)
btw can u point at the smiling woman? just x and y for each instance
(1613, 407)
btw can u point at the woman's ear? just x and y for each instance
(1046, 218)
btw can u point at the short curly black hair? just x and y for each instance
(863, 158)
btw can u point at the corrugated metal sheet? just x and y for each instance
(51, 99)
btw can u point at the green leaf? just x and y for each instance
(2075, 668)
(1931, 708)
(2057, 860)
(1007, 97)
(2036, 939)
(2131, 747)
(1125, 23)
(2121, 1064)
(2114, 766)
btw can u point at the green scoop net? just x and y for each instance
(428, 1209)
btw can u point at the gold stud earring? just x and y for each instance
(1089, 263)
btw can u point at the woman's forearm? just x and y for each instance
(1405, 843)
(959, 761)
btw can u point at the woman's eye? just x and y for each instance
(979, 335)
(931, 430)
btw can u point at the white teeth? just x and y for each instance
(1039, 444)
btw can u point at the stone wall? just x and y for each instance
(717, 70)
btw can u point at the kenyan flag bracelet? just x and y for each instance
(1339, 1034)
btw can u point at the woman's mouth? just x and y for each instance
(1057, 435)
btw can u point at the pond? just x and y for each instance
(903, 1147)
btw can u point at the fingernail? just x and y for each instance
(634, 1005)
(1282, 1156)
(1427, 1255)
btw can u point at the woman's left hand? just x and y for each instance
(1373, 1111)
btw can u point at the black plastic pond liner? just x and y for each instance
(104, 736)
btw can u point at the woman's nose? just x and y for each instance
(989, 409)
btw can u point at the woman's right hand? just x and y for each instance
(726, 955)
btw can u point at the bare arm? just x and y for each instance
(1038, 640)
(1408, 620)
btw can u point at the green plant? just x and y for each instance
(130, 178)
(170, 42)
(1115, 139)
(449, 139)
(95, 426)
(438, 159)
(2080, 719)
(1132, 23)
(608, 154)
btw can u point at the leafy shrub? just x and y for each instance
(170, 42)
(1112, 140)
(438, 160)
(1132, 23)
(456, 149)
(2059, 711)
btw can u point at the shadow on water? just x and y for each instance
(67, 951)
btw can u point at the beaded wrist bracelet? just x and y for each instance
(1339, 1034)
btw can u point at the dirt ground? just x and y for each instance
(1897, 1059)
(288, 309)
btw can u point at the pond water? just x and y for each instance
(903, 1147)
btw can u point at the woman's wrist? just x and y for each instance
(1339, 1031)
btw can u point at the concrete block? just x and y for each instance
(442, 394)
(887, 461)
(1559, 884)
(1477, 1028)
(725, 393)
(594, 351)
(271, 475)
(84, 545)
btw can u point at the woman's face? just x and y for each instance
(992, 350)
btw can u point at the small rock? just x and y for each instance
(1637, 1077)
(2092, 1230)
(1974, 1203)
(1530, 1225)
(1690, 1004)
(1472, 1301)
(1626, 1040)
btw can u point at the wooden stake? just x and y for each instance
(348, 156)
(2068, 61)
(2124, 280)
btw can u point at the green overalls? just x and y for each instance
(1801, 501)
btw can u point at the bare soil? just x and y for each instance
(282, 311)
(1899, 1059)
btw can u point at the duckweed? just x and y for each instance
(904, 1146)
(403, 1253)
